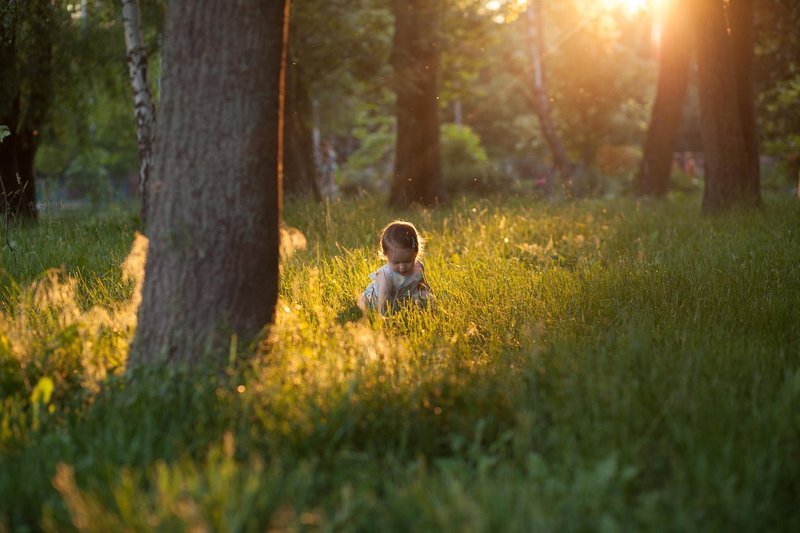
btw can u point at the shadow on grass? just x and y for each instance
(349, 314)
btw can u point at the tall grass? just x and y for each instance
(604, 365)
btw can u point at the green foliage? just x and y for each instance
(465, 163)
(461, 145)
(594, 364)
(777, 77)
(90, 135)
(4, 132)
(599, 98)
(780, 123)
(342, 50)
(597, 102)
(598, 69)
(369, 167)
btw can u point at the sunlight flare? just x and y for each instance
(629, 7)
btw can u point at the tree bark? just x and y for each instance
(728, 166)
(212, 268)
(541, 98)
(665, 120)
(143, 108)
(741, 18)
(300, 172)
(33, 86)
(10, 194)
(9, 107)
(26, 147)
(415, 59)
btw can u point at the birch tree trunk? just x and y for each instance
(211, 277)
(143, 108)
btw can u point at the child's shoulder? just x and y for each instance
(384, 270)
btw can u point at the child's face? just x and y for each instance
(401, 260)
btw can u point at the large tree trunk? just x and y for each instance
(728, 165)
(10, 194)
(665, 120)
(541, 98)
(212, 268)
(143, 107)
(9, 109)
(299, 170)
(31, 85)
(415, 59)
(741, 19)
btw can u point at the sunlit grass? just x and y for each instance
(602, 364)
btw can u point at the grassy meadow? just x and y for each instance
(603, 365)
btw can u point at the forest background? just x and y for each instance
(601, 61)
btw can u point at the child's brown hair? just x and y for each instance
(403, 235)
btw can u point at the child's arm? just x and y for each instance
(384, 291)
(425, 295)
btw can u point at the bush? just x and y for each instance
(465, 163)
(368, 168)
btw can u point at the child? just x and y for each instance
(402, 278)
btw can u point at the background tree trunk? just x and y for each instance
(728, 165)
(10, 193)
(665, 120)
(25, 153)
(9, 109)
(415, 59)
(31, 85)
(212, 265)
(143, 108)
(741, 19)
(300, 171)
(541, 98)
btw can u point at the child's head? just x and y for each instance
(401, 245)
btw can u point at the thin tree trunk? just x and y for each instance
(727, 162)
(541, 98)
(26, 148)
(415, 59)
(212, 268)
(143, 107)
(300, 172)
(665, 120)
